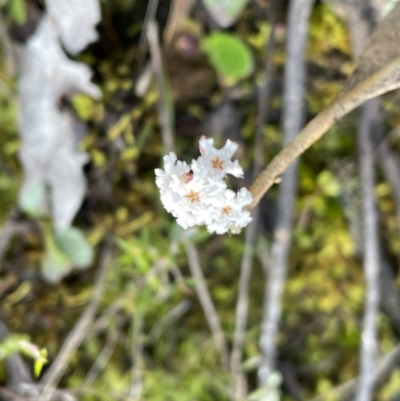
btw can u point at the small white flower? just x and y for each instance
(198, 195)
(231, 216)
(217, 162)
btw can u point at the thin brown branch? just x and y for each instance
(172, 316)
(165, 111)
(179, 11)
(77, 335)
(150, 16)
(10, 62)
(103, 358)
(240, 386)
(207, 303)
(385, 142)
(383, 81)
(136, 387)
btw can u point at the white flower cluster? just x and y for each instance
(197, 194)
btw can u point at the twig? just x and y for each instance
(207, 303)
(137, 358)
(293, 118)
(369, 121)
(77, 335)
(165, 111)
(173, 315)
(103, 358)
(239, 381)
(347, 389)
(9, 53)
(384, 142)
(150, 16)
(8, 395)
(371, 252)
(179, 10)
(240, 387)
(30, 392)
(382, 81)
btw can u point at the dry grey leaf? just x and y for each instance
(76, 21)
(48, 150)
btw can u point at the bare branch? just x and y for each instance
(299, 14)
(172, 316)
(240, 387)
(207, 303)
(165, 111)
(178, 12)
(77, 335)
(369, 121)
(150, 16)
(103, 358)
(136, 387)
(370, 252)
(382, 81)
(251, 231)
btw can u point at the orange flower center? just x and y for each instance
(217, 163)
(193, 196)
(226, 210)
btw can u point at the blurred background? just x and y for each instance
(102, 294)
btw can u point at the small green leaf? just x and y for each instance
(18, 11)
(229, 56)
(40, 362)
(75, 246)
(15, 343)
(225, 12)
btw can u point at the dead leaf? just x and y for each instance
(49, 152)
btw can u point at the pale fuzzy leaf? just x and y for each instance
(33, 198)
(49, 143)
(65, 175)
(225, 12)
(55, 267)
(76, 21)
(73, 243)
(56, 264)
